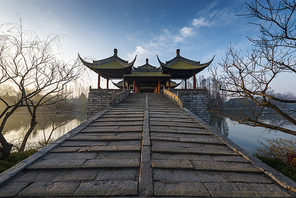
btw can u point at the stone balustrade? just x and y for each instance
(193, 99)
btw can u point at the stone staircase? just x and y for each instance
(144, 146)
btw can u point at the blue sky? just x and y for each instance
(146, 28)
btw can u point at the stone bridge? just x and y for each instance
(144, 146)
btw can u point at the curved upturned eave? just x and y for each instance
(193, 67)
(95, 66)
(87, 64)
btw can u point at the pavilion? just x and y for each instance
(146, 78)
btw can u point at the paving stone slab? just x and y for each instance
(113, 129)
(205, 140)
(180, 189)
(57, 164)
(184, 120)
(231, 190)
(229, 159)
(76, 175)
(127, 142)
(83, 143)
(166, 156)
(12, 188)
(172, 164)
(126, 123)
(80, 137)
(168, 149)
(121, 137)
(225, 166)
(246, 177)
(65, 149)
(118, 174)
(115, 148)
(125, 163)
(70, 156)
(114, 119)
(34, 176)
(122, 116)
(50, 189)
(165, 175)
(212, 149)
(176, 124)
(119, 155)
(269, 190)
(108, 188)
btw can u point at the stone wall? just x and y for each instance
(99, 99)
(194, 100)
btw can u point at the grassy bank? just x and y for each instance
(273, 152)
(15, 158)
(279, 165)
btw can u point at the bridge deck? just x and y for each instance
(144, 146)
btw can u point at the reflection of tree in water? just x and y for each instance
(220, 124)
(20, 121)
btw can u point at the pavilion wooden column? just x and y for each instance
(123, 86)
(194, 81)
(99, 79)
(107, 83)
(169, 83)
(134, 86)
(185, 83)
(158, 87)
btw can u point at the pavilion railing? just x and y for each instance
(174, 97)
(116, 97)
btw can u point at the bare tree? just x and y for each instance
(251, 76)
(35, 69)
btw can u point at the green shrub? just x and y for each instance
(15, 158)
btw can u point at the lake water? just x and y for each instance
(245, 136)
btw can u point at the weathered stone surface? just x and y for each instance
(65, 149)
(12, 188)
(187, 176)
(108, 188)
(70, 156)
(112, 123)
(229, 158)
(172, 164)
(57, 164)
(224, 166)
(138, 143)
(34, 176)
(76, 175)
(231, 190)
(246, 177)
(167, 156)
(50, 189)
(96, 163)
(118, 174)
(180, 189)
(269, 190)
(145, 180)
(83, 143)
(119, 155)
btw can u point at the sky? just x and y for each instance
(146, 28)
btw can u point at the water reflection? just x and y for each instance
(18, 124)
(220, 124)
(246, 136)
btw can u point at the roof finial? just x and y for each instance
(178, 52)
(115, 52)
(147, 61)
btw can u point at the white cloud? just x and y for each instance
(200, 22)
(186, 32)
